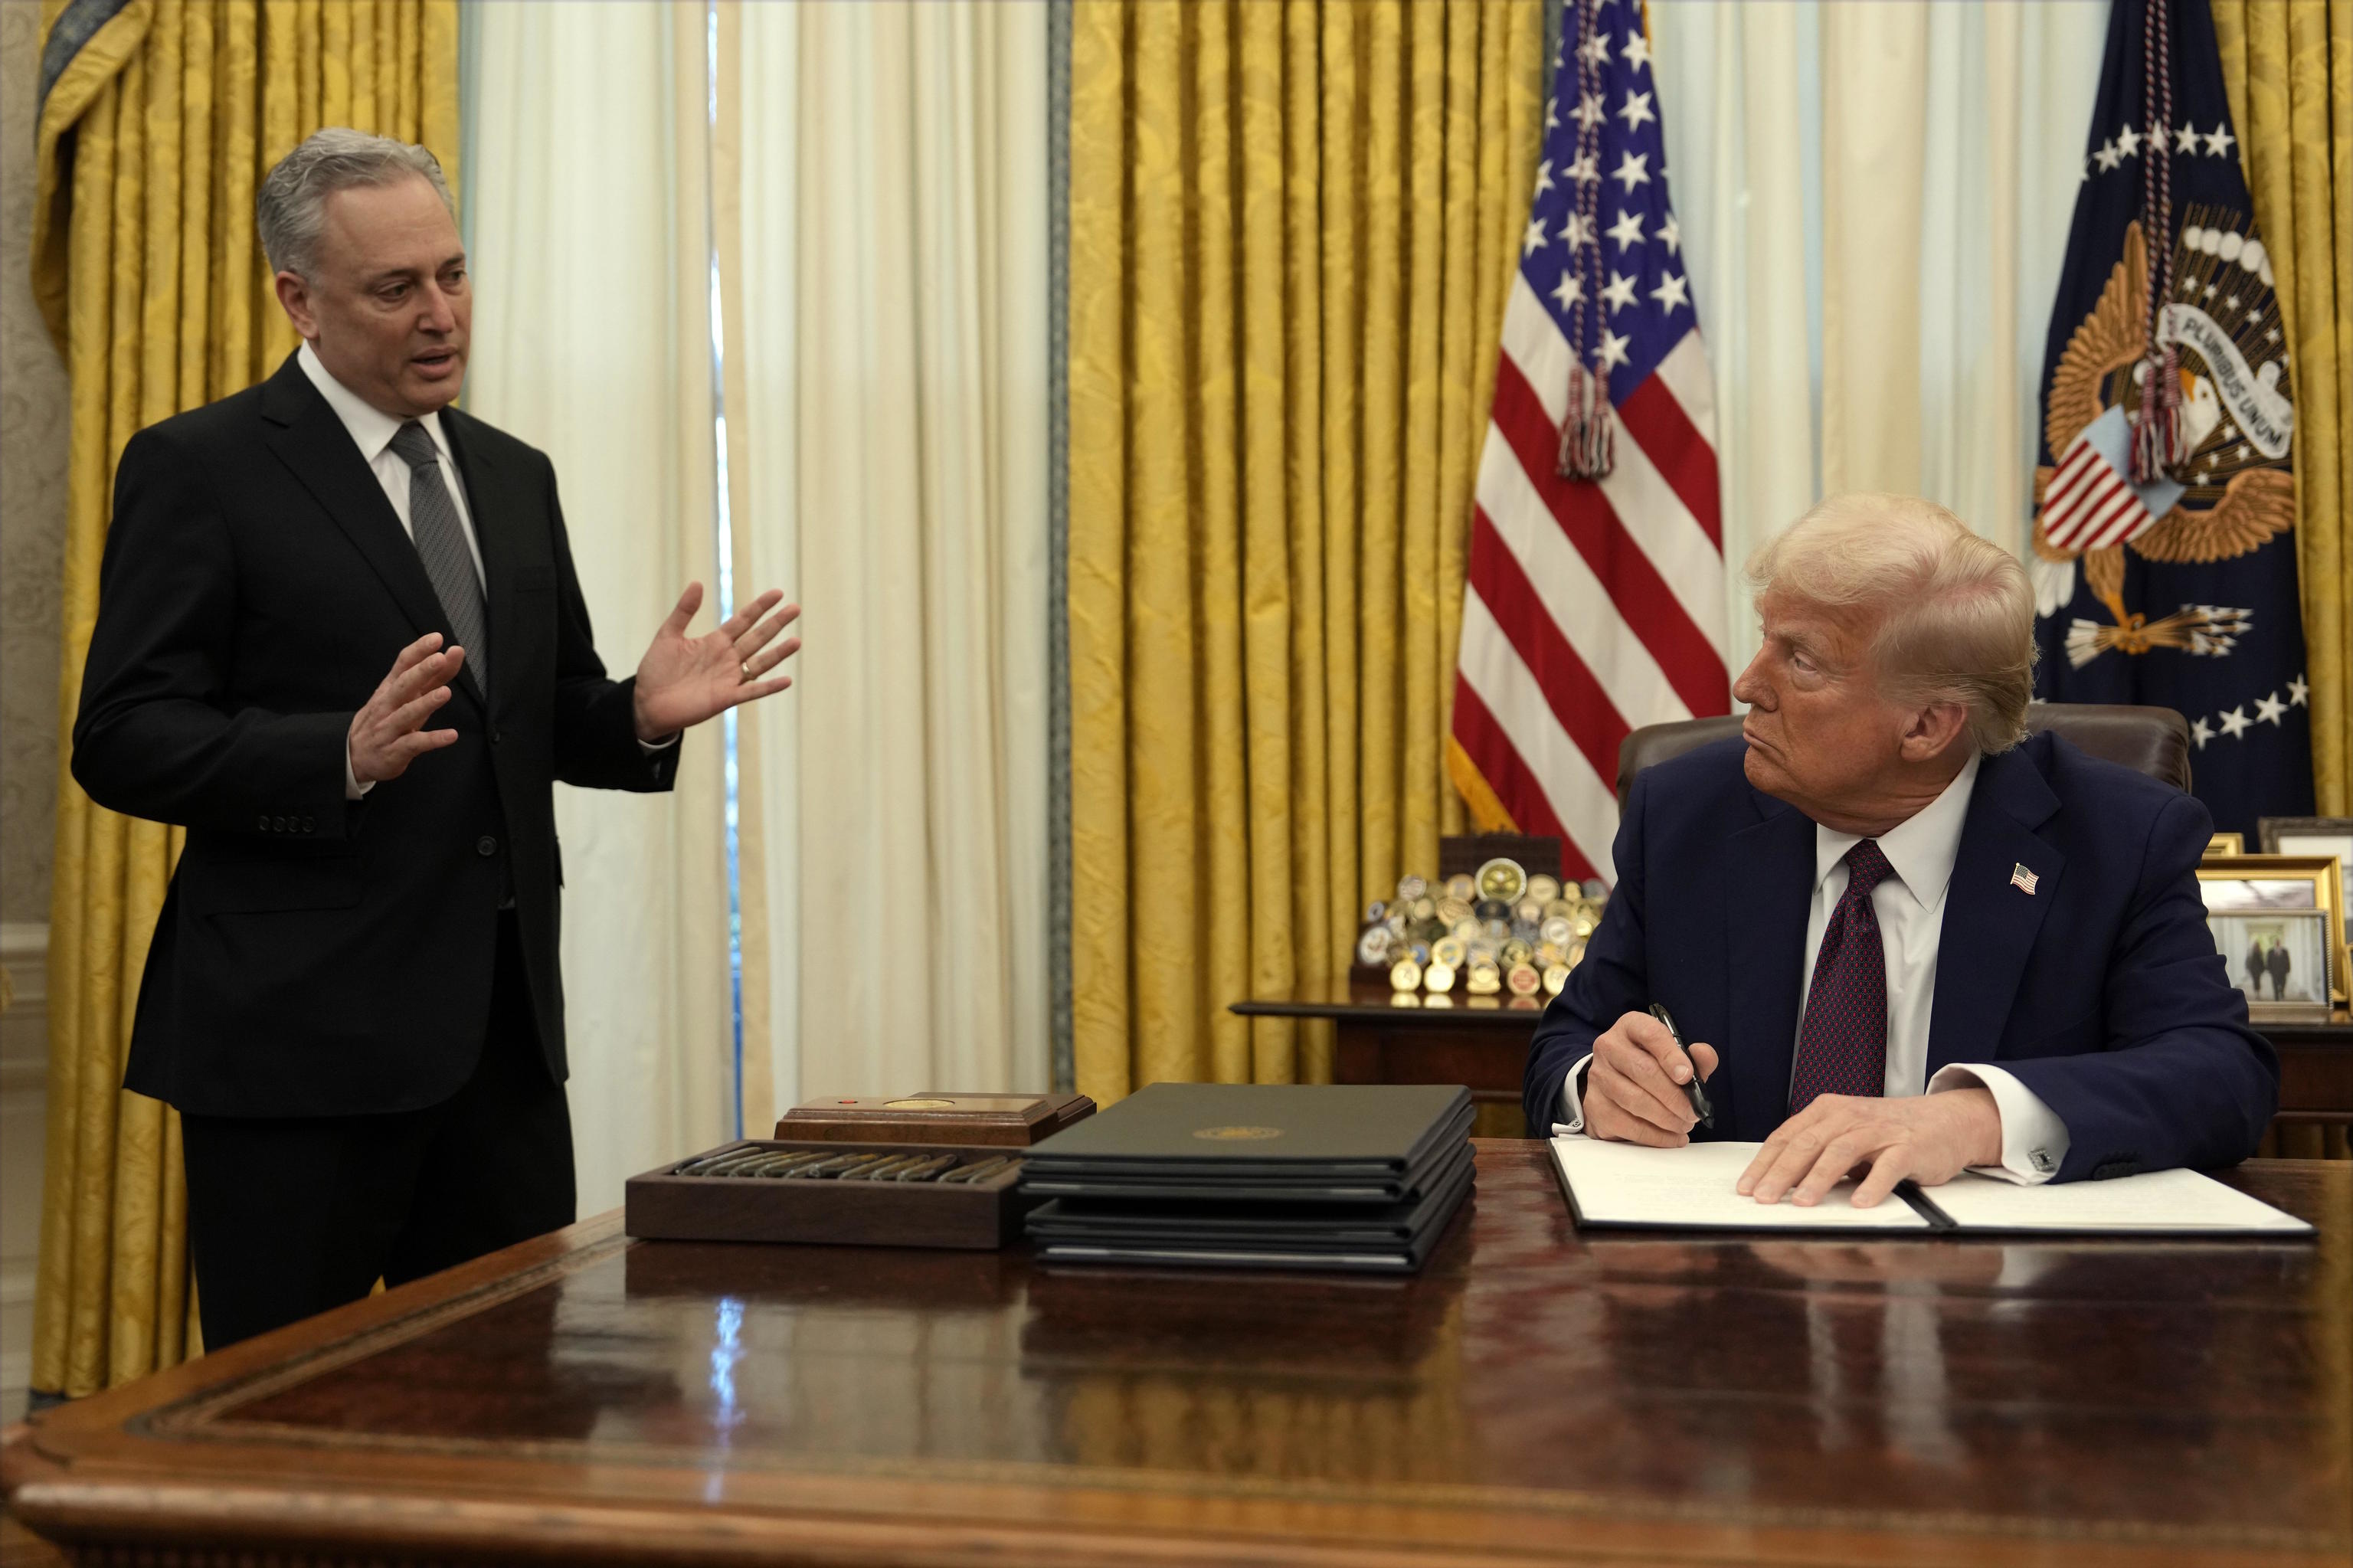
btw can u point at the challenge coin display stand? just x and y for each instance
(849, 1172)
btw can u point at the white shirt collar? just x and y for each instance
(1921, 848)
(371, 426)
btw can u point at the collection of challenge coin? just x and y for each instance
(1499, 931)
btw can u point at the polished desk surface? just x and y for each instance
(1534, 1395)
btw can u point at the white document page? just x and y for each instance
(1690, 1187)
(2180, 1201)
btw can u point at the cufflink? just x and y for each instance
(2042, 1158)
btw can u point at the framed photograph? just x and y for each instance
(2279, 961)
(2267, 884)
(2226, 843)
(2312, 835)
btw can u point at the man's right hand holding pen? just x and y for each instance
(1634, 1089)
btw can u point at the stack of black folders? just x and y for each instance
(1361, 1177)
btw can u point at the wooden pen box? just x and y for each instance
(937, 1116)
(663, 1205)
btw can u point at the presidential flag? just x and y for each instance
(1595, 599)
(2164, 541)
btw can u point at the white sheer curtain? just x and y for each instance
(1874, 201)
(893, 335)
(586, 210)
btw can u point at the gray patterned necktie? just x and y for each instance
(441, 543)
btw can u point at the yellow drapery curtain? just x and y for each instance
(1291, 227)
(146, 264)
(2288, 69)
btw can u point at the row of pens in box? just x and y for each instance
(823, 1165)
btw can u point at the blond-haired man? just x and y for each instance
(1905, 937)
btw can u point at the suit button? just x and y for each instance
(261, 826)
(278, 824)
(486, 845)
(309, 824)
(496, 736)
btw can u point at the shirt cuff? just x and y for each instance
(651, 747)
(353, 789)
(2033, 1139)
(1572, 1098)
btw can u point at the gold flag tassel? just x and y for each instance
(2157, 444)
(1587, 450)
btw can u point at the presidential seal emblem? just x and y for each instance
(2164, 496)
(2231, 492)
(1238, 1134)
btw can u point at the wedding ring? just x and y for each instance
(746, 668)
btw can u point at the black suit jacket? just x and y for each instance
(317, 957)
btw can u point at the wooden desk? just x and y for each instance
(1483, 1042)
(1534, 1396)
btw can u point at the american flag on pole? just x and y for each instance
(1592, 605)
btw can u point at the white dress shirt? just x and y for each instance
(1910, 905)
(372, 430)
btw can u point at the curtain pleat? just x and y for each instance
(892, 439)
(2288, 69)
(592, 187)
(1874, 203)
(145, 266)
(1290, 232)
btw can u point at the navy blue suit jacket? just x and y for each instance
(2101, 991)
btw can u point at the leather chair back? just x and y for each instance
(2155, 741)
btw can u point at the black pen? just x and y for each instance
(1699, 1108)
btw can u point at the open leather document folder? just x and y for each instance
(1351, 1176)
(1625, 1186)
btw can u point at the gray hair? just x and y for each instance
(290, 208)
(1955, 613)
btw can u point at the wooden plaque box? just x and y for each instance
(937, 1116)
(662, 1205)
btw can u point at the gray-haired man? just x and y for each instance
(341, 642)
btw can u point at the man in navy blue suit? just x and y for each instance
(1905, 937)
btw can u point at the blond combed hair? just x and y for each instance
(1955, 612)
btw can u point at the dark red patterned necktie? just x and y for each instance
(1842, 1045)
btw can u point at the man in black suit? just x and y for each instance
(339, 641)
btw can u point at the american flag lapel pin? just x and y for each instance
(2021, 878)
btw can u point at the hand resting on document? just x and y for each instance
(1634, 1094)
(1927, 1138)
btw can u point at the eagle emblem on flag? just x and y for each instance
(2164, 548)
(2232, 493)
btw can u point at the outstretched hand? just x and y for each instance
(389, 733)
(683, 679)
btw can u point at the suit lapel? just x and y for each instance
(1989, 924)
(1768, 887)
(310, 441)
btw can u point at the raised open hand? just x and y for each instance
(683, 679)
(389, 733)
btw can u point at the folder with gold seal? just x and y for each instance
(1349, 1176)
